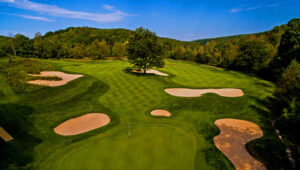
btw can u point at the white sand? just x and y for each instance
(152, 71)
(53, 83)
(160, 112)
(82, 124)
(232, 139)
(5, 136)
(185, 92)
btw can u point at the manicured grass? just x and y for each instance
(183, 141)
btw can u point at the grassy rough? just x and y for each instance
(134, 139)
(14, 72)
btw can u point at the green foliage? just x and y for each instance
(97, 50)
(286, 107)
(15, 72)
(288, 86)
(254, 56)
(24, 46)
(144, 50)
(288, 92)
(78, 51)
(119, 50)
(5, 47)
(289, 48)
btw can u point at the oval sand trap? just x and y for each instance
(160, 112)
(185, 92)
(232, 139)
(64, 76)
(152, 71)
(82, 124)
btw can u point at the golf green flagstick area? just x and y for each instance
(134, 139)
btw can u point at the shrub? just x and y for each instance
(15, 72)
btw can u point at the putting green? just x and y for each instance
(150, 145)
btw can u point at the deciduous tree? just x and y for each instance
(144, 50)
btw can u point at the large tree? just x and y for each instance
(254, 55)
(119, 50)
(144, 50)
(288, 93)
(288, 50)
(97, 50)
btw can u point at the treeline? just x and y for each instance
(248, 53)
(69, 43)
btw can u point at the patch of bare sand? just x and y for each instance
(232, 139)
(82, 124)
(151, 71)
(160, 112)
(64, 76)
(185, 92)
(5, 136)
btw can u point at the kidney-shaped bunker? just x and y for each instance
(82, 124)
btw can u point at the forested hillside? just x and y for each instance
(78, 42)
(253, 53)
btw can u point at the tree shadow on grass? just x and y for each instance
(18, 153)
(268, 149)
(214, 157)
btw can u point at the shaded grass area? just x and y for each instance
(134, 139)
(17, 153)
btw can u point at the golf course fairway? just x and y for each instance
(134, 139)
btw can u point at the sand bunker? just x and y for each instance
(5, 136)
(151, 71)
(185, 92)
(82, 124)
(232, 139)
(160, 112)
(64, 76)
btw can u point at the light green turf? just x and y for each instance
(134, 139)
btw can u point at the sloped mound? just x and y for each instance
(82, 124)
(232, 139)
(185, 92)
(160, 112)
(151, 71)
(64, 76)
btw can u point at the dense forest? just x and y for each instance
(272, 55)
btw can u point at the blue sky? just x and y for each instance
(179, 19)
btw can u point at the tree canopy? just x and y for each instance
(144, 50)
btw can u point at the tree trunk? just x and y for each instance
(145, 71)
(13, 47)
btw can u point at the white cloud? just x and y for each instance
(52, 10)
(253, 8)
(34, 17)
(108, 7)
(7, 0)
(235, 10)
(244, 8)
